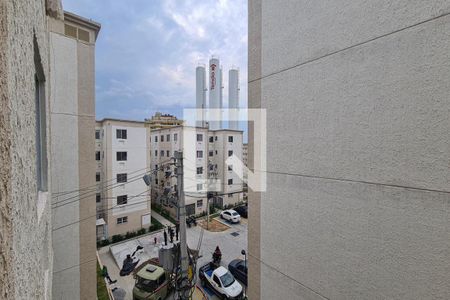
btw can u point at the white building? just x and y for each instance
(123, 156)
(205, 153)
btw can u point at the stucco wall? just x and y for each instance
(25, 231)
(358, 184)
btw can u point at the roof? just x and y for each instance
(220, 271)
(119, 120)
(88, 23)
(144, 273)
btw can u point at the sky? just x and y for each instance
(147, 51)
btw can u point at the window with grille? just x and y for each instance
(121, 134)
(121, 200)
(122, 177)
(121, 156)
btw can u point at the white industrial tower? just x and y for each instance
(233, 98)
(201, 94)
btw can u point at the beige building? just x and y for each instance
(72, 113)
(205, 152)
(358, 197)
(45, 76)
(160, 120)
(123, 156)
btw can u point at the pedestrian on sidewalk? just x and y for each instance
(106, 275)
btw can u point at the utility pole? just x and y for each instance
(184, 280)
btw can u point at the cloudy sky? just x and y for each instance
(147, 51)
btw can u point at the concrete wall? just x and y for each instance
(25, 219)
(73, 167)
(356, 98)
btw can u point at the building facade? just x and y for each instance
(205, 152)
(122, 154)
(25, 189)
(358, 192)
(72, 112)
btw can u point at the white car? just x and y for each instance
(231, 216)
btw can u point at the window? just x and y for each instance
(156, 152)
(121, 134)
(199, 154)
(122, 177)
(211, 153)
(98, 198)
(122, 220)
(215, 138)
(121, 200)
(121, 155)
(211, 167)
(156, 180)
(230, 152)
(41, 125)
(211, 139)
(199, 170)
(97, 155)
(230, 167)
(216, 152)
(199, 203)
(230, 139)
(216, 280)
(97, 134)
(156, 138)
(161, 153)
(168, 138)
(168, 153)
(156, 167)
(199, 187)
(162, 138)
(97, 176)
(230, 181)
(230, 195)
(199, 137)
(175, 137)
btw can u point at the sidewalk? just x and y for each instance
(161, 219)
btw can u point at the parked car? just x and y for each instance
(231, 216)
(238, 268)
(221, 281)
(242, 211)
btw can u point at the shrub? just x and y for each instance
(102, 243)
(141, 231)
(116, 238)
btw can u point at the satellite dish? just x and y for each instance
(147, 179)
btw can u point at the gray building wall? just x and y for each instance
(25, 214)
(357, 101)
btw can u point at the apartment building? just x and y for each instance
(204, 166)
(122, 155)
(72, 113)
(46, 252)
(358, 194)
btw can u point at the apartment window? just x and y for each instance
(156, 167)
(230, 167)
(97, 155)
(156, 152)
(199, 154)
(122, 220)
(97, 134)
(168, 153)
(215, 138)
(230, 152)
(156, 180)
(121, 134)
(175, 137)
(156, 138)
(168, 138)
(162, 138)
(199, 137)
(211, 167)
(211, 153)
(121, 200)
(41, 126)
(98, 198)
(216, 152)
(230, 195)
(211, 139)
(97, 176)
(121, 156)
(230, 139)
(199, 187)
(230, 181)
(199, 170)
(199, 203)
(161, 153)
(122, 177)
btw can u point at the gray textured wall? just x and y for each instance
(25, 232)
(357, 101)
